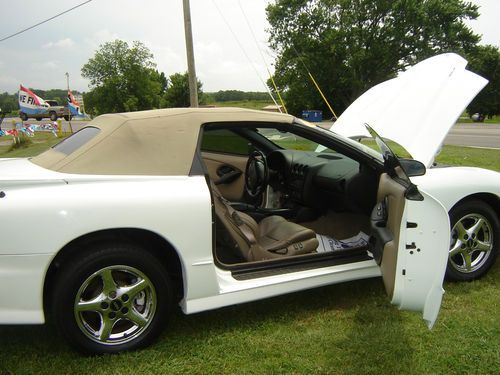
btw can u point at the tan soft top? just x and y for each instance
(157, 142)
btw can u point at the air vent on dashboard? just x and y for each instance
(299, 170)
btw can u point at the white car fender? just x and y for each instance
(81, 206)
(449, 185)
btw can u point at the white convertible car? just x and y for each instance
(135, 213)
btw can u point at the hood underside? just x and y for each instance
(416, 109)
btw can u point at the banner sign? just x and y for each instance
(30, 103)
(73, 105)
(30, 129)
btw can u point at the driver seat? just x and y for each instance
(272, 238)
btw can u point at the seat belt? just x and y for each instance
(236, 219)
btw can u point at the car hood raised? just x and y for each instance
(416, 109)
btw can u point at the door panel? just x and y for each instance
(392, 194)
(221, 164)
(415, 236)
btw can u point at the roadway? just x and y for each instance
(473, 135)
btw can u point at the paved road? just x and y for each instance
(484, 135)
(475, 135)
(472, 135)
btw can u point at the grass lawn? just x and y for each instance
(250, 104)
(347, 328)
(39, 143)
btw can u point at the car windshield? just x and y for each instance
(291, 141)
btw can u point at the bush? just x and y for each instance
(22, 142)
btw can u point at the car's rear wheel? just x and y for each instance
(111, 299)
(23, 116)
(474, 241)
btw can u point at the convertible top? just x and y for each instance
(157, 142)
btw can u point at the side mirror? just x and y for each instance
(412, 167)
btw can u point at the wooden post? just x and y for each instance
(193, 86)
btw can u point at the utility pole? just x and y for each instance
(193, 86)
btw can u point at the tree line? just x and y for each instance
(347, 45)
(352, 45)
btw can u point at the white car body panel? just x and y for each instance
(54, 210)
(233, 291)
(450, 185)
(416, 109)
(420, 270)
(53, 213)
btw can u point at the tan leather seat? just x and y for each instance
(274, 237)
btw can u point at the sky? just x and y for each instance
(39, 58)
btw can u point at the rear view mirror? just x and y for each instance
(412, 167)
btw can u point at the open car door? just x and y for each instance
(410, 240)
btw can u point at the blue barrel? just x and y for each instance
(312, 115)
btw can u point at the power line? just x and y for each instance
(246, 55)
(262, 57)
(47, 20)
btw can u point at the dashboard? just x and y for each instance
(322, 180)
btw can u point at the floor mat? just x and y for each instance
(327, 243)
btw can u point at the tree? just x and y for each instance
(8, 102)
(122, 79)
(485, 61)
(177, 94)
(349, 46)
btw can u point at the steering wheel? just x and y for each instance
(256, 174)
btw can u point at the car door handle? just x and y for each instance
(227, 175)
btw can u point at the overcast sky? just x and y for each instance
(40, 57)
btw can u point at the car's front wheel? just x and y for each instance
(111, 299)
(474, 243)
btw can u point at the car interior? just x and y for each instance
(286, 196)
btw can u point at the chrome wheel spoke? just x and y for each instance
(461, 231)
(456, 248)
(477, 226)
(106, 328)
(136, 318)
(92, 305)
(482, 246)
(135, 289)
(108, 283)
(467, 261)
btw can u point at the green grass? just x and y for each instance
(455, 155)
(347, 328)
(344, 329)
(40, 142)
(250, 104)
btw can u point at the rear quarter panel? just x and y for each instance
(40, 218)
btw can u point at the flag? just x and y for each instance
(31, 103)
(73, 105)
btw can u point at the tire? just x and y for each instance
(66, 117)
(53, 116)
(475, 239)
(23, 116)
(97, 315)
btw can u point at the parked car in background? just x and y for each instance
(54, 111)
